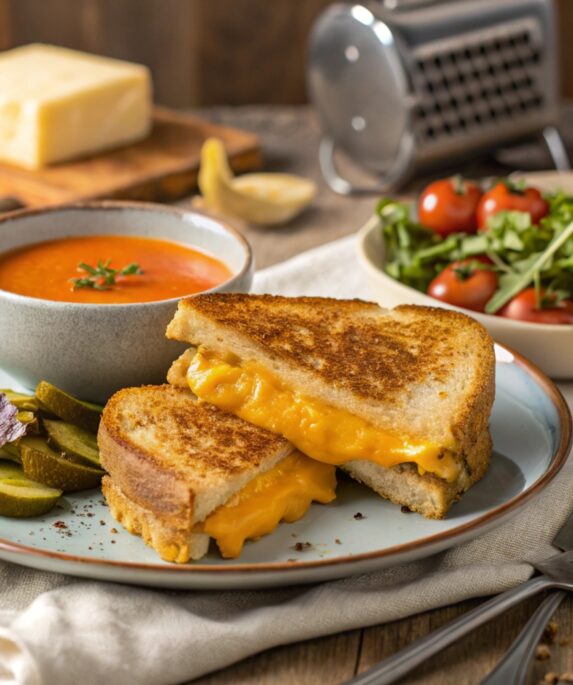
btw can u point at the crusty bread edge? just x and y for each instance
(172, 542)
(154, 487)
(425, 494)
(139, 476)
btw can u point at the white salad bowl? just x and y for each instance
(548, 346)
(92, 350)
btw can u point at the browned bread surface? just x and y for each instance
(177, 457)
(424, 372)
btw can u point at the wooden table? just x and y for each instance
(290, 139)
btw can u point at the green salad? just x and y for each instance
(495, 267)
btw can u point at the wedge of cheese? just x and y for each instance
(57, 104)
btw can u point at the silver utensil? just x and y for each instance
(513, 667)
(556, 573)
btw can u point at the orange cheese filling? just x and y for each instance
(282, 494)
(321, 431)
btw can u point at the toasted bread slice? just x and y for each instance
(170, 537)
(425, 374)
(425, 494)
(172, 461)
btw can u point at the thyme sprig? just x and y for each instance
(103, 276)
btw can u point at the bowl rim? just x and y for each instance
(104, 205)
(373, 224)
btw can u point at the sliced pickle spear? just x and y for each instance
(83, 414)
(21, 497)
(20, 400)
(72, 440)
(10, 451)
(42, 463)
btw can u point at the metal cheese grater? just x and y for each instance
(405, 85)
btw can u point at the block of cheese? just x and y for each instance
(57, 104)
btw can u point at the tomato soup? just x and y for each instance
(169, 269)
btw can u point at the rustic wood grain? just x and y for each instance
(5, 25)
(163, 167)
(464, 663)
(161, 35)
(322, 661)
(257, 54)
(564, 28)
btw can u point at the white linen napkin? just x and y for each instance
(93, 632)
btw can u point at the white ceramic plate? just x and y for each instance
(531, 429)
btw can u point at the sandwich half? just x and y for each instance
(400, 399)
(181, 472)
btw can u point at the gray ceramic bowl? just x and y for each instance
(93, 350)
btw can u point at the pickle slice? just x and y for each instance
(11, 452)
(42, 463)
(83, 414)
(73, 440)
(20, 400)
(21, 497)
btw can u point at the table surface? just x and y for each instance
(290, 139)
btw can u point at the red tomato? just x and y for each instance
(449, 206)
(465, 286)
(507, 197)
(524, 308)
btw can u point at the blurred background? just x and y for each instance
(202, 52)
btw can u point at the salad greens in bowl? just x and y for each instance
(504, 257)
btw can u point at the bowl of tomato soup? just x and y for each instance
(87, 290)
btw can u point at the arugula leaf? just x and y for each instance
(514, 283)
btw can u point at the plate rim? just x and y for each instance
(561, 455)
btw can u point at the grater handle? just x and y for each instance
(556, 148)
(386, 183)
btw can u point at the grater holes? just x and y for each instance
(477, 85)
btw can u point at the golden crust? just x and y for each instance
(345, 343)
(172, 541)
(164, 449)
(370, 356)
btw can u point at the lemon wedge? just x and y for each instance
(262, 198)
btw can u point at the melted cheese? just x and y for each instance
(282, 494)
(323, 432)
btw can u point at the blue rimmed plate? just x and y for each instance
(531, 428)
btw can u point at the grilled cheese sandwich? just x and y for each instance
(398, 398)
(182, 472)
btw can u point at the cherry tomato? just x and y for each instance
(464, 285)
(449, 206)
(524, 308)
(505, 196)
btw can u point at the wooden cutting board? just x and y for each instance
(161, 168)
